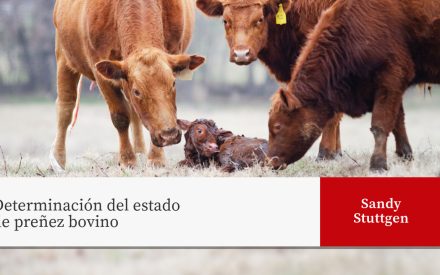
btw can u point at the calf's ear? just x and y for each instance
(210, 7)
(183, 124)
(222, 135)
(112, 70)
(182, 65)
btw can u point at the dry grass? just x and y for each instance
(97, 165)
(219, 262)
(26, 140)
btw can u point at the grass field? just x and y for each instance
(28, 129)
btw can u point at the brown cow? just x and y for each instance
(133, 50)
(252, 32)
(360, 58)
(205, 143)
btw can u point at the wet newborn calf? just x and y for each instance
(205, 143)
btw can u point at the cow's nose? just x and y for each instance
(242, 55)
(170, 134)
(276, 163)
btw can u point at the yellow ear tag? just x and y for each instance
(281, 18)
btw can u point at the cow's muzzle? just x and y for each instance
(167, 137)
(275, 163)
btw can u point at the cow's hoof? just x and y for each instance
(156, 162)
(57, 163)
(127, 160)
(378, 164)
(326, 154)
(405, 153)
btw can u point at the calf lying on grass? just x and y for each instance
(205, 143)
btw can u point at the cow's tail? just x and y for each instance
(76, 109)
(52, 159)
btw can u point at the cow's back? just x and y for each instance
(428, 8)
(423, 26)
(241, 152)
(70, 44)
(178, 24)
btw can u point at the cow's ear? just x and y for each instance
(272, 6)
(183, 124)
(112, 70)
(211, 7)
(222, 135)
(285, 100)
(290, 101)
(183, 65)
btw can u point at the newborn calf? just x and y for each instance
(205, 143)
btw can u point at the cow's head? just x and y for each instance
(293, 128)
(148, 79)
(246, 24)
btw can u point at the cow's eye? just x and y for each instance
(260, 20)
(199, 132)
(136, 93)
(226, 23)
(277, 127)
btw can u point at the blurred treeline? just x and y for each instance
(27, 60)
(27, 63)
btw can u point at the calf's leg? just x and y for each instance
(120, 115)
(403, 148)
(67, 83)
(330, 146)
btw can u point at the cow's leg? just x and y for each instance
(388, 101)
(120, 115)
(67, 83)
(138, 135)
(403, 148)
(338, 139)
(330, 146)
(156, 156)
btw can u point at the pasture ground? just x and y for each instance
(219, 262)
(27, 131)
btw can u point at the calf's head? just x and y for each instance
(148, 79)
(246, 24)
(203, 137)
(293, 128)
